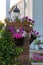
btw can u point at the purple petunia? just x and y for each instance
(37, 58)
(28, 19)
(11, 28)
(34, 32)
(21, 29)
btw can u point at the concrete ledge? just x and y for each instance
(37, 63)
(36, 51)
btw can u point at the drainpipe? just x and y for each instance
(24, 8)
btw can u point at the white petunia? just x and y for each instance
(17, 30)
(24, 34)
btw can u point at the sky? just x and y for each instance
(3, 7)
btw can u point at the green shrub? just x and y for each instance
(7, 20)
(37, 41)
(1, 26)
(8, 52)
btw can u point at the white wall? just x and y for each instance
(21, 7)
(30, 8)
(2, 9)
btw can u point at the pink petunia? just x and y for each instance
(17, 35)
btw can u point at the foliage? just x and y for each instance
(1, 31)
(17, 20)
(37, 41)
(1, 25)
(7, 20)
(8, 52)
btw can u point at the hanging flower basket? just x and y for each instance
(32, 38)
(18, 35)
(34, 35)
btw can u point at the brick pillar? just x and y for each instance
(24, 57)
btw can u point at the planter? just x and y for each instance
(17, 25)
(32, 38)
(19, 41)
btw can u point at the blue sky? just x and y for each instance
(3, 7)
